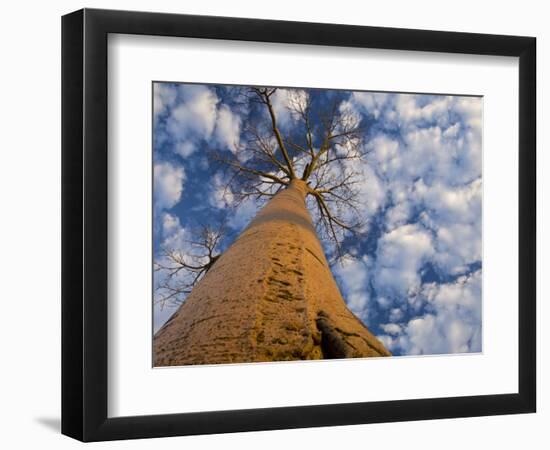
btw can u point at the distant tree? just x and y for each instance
(181, 269)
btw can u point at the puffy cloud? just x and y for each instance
(411, 108)
(220, 195)
(453, 203)
(174, 236)
(370, 188)
(391, 328)
(353, 276)
(453, 323)
(185, 148)
(388, 341)
(398, 215)
(400, 255)
(164, 96)
(406, 111)
(349, 115)
(454, 215)
(384, 154)
(170, 225)
(471, 109)
(285, 101)
(193, 118)
(168, 185)
(457, 246)
(396, 314)
(373, 102)
(228, 128)
(194, 115)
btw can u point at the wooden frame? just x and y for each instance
(84, 222)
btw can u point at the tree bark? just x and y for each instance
(270, 297)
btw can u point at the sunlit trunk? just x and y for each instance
(270, 297)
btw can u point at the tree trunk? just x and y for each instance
(270, 297)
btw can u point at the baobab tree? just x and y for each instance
(271, 295)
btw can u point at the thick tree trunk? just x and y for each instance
(269, 297)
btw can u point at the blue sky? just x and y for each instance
(415, 275)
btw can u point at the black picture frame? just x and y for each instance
(84, 224)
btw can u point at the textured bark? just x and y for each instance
(270, 297)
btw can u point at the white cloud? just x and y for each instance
(170, 224)
(409, 110)
(396, 314)
(164, 96)
(220, 196)
(458, 203)
(370, 188)
(195, 114)
(349, 115)
(185, 148)
(471, 109)
(401, 253)
(452, 131)
(454, 323)
(282, 100)
(454, 214)
(436, 131)
(457, 246)
(174, 236)
(353, 274)
(391, 328)
(385, 154)
(228, 128)
(388, 341)
(398, 215)
(371, 102)
(168, 185)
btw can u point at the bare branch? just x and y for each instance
(324, 143)
(178, 271)
(248, 170)
(265, 95)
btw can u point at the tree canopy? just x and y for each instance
(320, 149)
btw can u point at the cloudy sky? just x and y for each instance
(415, 278)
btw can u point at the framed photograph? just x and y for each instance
(273, 224)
